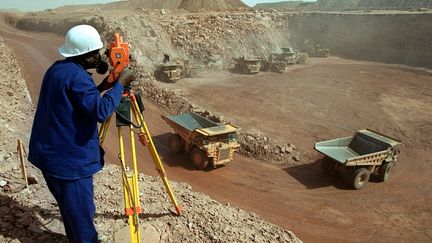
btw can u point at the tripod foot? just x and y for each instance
(176, 210)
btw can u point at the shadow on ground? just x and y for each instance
(312, 176)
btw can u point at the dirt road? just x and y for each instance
(324, 99)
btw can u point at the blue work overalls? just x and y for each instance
(64, 142)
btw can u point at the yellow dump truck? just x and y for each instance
(168, 72)
(173, 71)
(274, 63)
(320, 52)
(207, 142)
(247, 65)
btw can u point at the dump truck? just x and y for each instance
(319, 52)
(247, 66)
(315, 50)
(290, 55)
(358, 157)
(293, 56)
(274, 63)
(187, 69)
(168, 72)
(208, 143)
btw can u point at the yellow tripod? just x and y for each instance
(129, 106)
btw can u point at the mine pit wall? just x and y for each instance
(400, 38)
(210, 41)
(403, 38)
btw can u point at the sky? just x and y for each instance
(37, 5)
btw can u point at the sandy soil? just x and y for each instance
(324, 99)
(328, 98)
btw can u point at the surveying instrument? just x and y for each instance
(129, 114)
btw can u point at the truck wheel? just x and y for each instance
(360, 178)
(192, 73)
(163, 77)
(156, 74)
(385, 171)
(176, 143)
(199, 159)
(236, 69)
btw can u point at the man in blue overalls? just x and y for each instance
(64, 142)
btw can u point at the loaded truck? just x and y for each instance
(173, 71)
(274, 63)
(208, 143)
(168, 72)
(292, 56)
(358, 157)
(246, 65)
(319, 52)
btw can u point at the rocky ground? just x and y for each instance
(31, 215)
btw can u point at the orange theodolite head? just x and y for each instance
(118, 56)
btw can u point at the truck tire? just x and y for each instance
(385, 171)
(192, 73)
(236, 68)
(176, 143)
(163, 77)
(360, 178)
(199, 159)
(156, 74)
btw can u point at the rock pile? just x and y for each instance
(214, 40)
(263, 148)
(212, 4)
(176, 4)
(337, 4)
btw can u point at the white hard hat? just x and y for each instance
(79, 40)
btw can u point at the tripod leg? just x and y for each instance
(136, 198)
(130, 189)
(104, 130)
(153, 152)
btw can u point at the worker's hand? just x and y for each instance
(127, 76)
